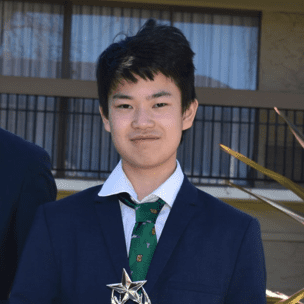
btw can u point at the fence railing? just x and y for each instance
(71, 131)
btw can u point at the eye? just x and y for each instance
(124, 106)
(160, 105)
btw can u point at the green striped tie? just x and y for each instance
(143, 241)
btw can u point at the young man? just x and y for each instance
(147, 218)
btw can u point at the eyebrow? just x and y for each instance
(121, 96)
(153, 96)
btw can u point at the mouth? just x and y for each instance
(144, 139)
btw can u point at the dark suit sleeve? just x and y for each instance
(38, 187)
(27, 182)
(37, 277)
(248, 283)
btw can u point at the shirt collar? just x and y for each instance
(118, 182)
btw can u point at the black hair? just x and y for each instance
(155, 48)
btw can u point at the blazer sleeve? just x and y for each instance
(248, 283)
(27, 182)
(38, 187)
(37, 278)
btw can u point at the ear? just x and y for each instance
(189, 114)
(105, 120)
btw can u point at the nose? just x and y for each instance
(142, 119)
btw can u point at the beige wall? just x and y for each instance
(282, 52)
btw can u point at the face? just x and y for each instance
(146, 121)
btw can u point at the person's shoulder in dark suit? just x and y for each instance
(26, 181)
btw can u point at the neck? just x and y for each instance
(146, 180)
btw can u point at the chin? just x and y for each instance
(143, 163)
(146, 164)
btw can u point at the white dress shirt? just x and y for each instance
(118, 182)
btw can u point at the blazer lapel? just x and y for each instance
(109, 215)
(182, 211)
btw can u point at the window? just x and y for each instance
(31, 39)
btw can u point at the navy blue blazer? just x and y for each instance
(208, 252)
(26, 182)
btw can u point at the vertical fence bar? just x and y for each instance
(193, 147)
(230, 140)
(82, 131)
(248, 139)
(73, 123)
(16, 114)
(285, 145)
(276, 126)
(92, 134)
(256, 133)
(35, 118)
(267, 137)
(7, 111)
(221, 141)
(54, 136)
(44, 122)
(239, 140)
(26, 116)
(211, 144)
(297, 123)
(293, 148)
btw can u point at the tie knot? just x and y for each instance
(148, 212)
(145, 212)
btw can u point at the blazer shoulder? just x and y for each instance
(223, 212)
(71, 211)
(13, 146)
(75, 201)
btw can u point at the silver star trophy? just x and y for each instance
(128, 291)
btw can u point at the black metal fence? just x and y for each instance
(72, 133)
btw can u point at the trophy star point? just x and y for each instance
(117, 287)
(128, 288)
